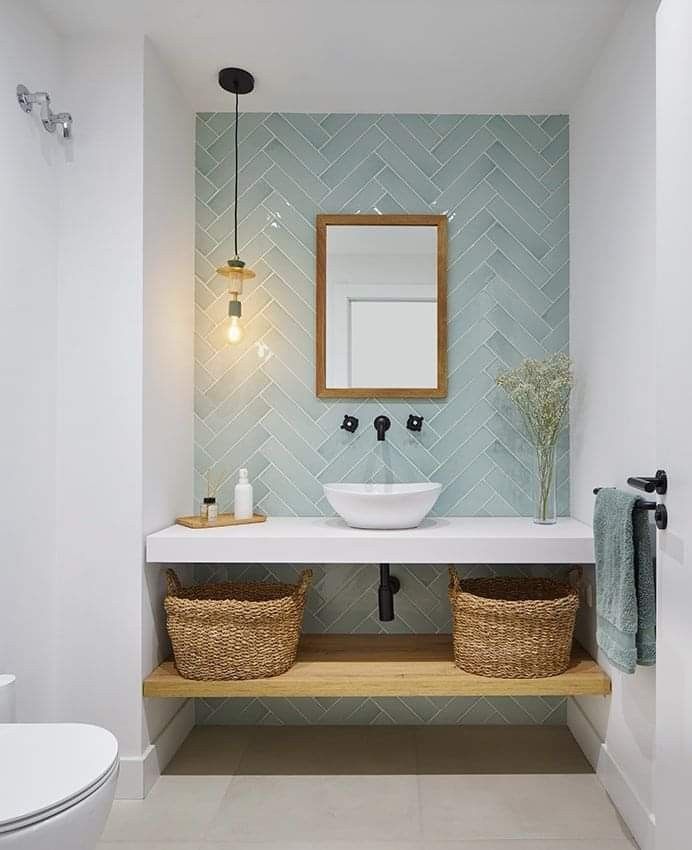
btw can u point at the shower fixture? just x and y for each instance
(50, 120)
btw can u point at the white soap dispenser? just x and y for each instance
(242, 503)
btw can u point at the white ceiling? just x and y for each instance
(439, 56)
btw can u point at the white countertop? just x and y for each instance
(328, 540)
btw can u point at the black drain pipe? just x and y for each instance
(389, 585)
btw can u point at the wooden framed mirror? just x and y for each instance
(381, 306)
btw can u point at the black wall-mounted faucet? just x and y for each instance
(349, 424)
(382, 424)
(414, 423)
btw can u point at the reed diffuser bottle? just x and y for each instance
(209, 509)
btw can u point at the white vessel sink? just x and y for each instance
(383, 505)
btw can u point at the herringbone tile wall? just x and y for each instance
(503, 183)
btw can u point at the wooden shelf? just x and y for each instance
(381, 666)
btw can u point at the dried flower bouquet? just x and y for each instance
(540, 389)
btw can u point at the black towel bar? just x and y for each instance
(642, 504)
(660, 511)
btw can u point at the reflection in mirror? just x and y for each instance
(381, 306)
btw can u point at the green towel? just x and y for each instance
(625, 581)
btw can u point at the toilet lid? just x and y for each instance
(45, 765)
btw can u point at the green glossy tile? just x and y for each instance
(503, 181)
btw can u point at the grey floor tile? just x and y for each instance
(366, 750)
(549, 844)
(318, 845)
(372, 788)
(329, 750)
(318, 809)
(178, 809)
(513, 807)
(498, 750)
(210, 751)
(148, 845)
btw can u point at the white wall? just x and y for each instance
(96, 239)
(168, 345)
(125, 384)
(612, 207)
(100, 387)
(30, 162)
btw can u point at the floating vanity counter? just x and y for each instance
(332, 665)
(328, 540)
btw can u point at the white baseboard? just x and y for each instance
(131, 777)
(138, 773)
(640, 821)
(583, 732)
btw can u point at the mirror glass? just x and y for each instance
(381, 307)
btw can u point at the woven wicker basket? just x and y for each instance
(235, 630)
(512, 628)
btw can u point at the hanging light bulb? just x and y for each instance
(234, 332)
(238, 81)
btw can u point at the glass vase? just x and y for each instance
(545, 485)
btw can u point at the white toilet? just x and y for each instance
(57, 783)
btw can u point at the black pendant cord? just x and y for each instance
(235, 210)
(238, 81)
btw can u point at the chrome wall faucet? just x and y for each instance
(50, 120)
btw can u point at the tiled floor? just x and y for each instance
(372, 788)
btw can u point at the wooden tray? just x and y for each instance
(223, 519)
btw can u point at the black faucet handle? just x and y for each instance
(414, 423)
(658, 482)
(349, 424)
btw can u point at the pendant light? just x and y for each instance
(237, 81)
